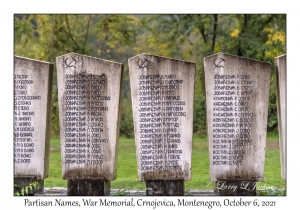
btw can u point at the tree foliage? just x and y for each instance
(186, 36)
(194, 36)
(45, 37)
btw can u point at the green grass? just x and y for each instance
(55, 166)
(127, 177)
(272, 175)
(272, 136)
(200, 166)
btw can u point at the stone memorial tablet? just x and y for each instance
(237, 95)
(32, 107)
(89, 91)
(280, 70)
(162, 91)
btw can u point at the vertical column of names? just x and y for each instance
(232, 118)
(23, 117)
(84, 104)
(96, 106)
(244, 117)
(160, 108)
(75, 119)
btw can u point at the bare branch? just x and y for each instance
(106, 28)
(214, 33)
(69, 33)
(87, 31)
(201, 29)
(99, 43)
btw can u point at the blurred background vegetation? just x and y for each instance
(117, 37)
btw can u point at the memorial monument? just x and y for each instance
(32, 111)
(237, 97)
(89, 92)
(280, 70)
(162, 92)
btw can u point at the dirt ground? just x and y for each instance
(273, 144)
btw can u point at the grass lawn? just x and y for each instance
(55, 166)
(127, 177)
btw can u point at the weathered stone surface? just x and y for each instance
(89, 102)
(174, 187)
(165, 187)
(162, 92)
(155, 187)
(237, 95)
(32, 107)
(280, 70)
(88, 187)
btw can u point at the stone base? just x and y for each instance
(88, 187)
(23, 182)
(235, 187)
(165, 187)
